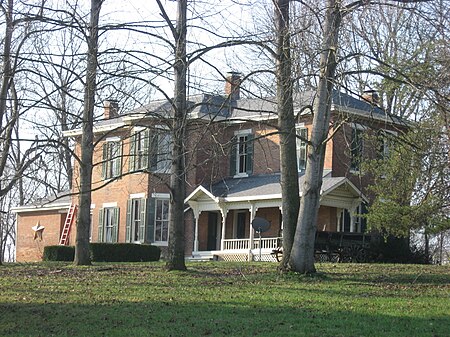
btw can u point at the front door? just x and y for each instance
(212, 231)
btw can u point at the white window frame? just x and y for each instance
(113, 158)
(160, 197)
(238, 135)
(302, 146)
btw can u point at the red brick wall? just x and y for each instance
(28, 249)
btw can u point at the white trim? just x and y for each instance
(137, 195)
(161, 195)
(113, 139)
(137, 129)
(109, 204)
(243, 132)
(26, 209)
(92, 206)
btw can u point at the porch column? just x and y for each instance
(339, 218)
(196, 212)
(353, 211)
(224, 212)
(252, 210)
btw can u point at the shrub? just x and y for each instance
(58, 253)
(124, 252)
(106, 252)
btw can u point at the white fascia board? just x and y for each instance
(27, 209)
(202, 190)
(367, 115)
(252, 198)
(350, 184)
(97, 129)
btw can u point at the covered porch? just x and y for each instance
(224, 214)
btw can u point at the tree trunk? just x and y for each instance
(177, 177)
(286, 126)
(82, 255)
(302, 254)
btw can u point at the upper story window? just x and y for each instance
(356, 149)
(302, 147)
(384, 139)
(151, 149)
(108, 224)
(139, 146)
(242, 153)
(112, 158)
(135, 227)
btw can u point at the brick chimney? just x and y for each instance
(232, 85)
(372, 97)
(110, 109)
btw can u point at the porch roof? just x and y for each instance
(264, 187)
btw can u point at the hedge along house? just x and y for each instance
(232, 172)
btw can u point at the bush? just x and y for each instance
(106, 252)
(124, 252)
(58, 253)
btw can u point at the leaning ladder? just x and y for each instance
(64, 240)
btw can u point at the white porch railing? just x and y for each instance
(244, 244)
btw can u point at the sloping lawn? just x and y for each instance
(223, 299)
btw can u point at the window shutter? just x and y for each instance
(233, 156)
(302, 149)
(249, 168)
(132, 158)
(143, 209)
(153, 152)
(118, 160)
(105, 160)
(128, 224)
(115, 224)
(100, 225)
(144, 159)
(150, 220)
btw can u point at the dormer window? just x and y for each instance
(242, 154)
(302, 147)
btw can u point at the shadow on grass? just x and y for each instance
(171, 318)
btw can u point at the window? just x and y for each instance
(356, 149)
(161, 220)
(108, 224)
(151, 145)
(135, 228)
(384, 143)
(242, 154)
(302, 147)
(112, 159)
(164, 152)
(139, 145)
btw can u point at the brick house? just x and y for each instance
(232, 176)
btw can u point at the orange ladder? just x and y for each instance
(64, 240)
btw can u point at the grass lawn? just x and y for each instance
(223, 299)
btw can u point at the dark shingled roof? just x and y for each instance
(259, 185)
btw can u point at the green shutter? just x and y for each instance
(142, 205)
(129, 219)
(150, 220)
(100, 225)
(144, 159)
(118, 160)
(105, 160)
(153, 151)
(132, 157)
(115, 225)
(249, 168)
(233, 156)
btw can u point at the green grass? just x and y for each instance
(223, 299)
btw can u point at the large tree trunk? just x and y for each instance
(286, 126)
(82, 255)
(177, 177)
(302, 254)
